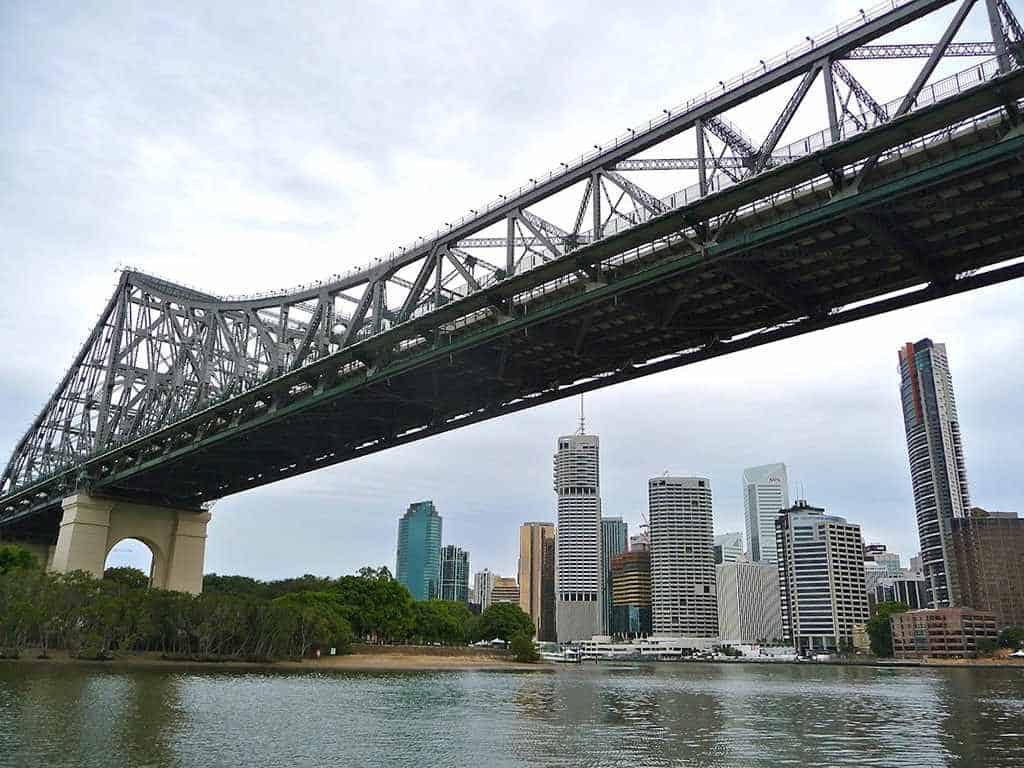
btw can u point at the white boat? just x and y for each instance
(567, 656)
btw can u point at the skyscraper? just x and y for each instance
(938, 473)
(418, 564)
(537, 576)
(728, 547)
(578, 543)
(988, 563)
(682, 559)
(765, 492)
(748, 602)
(631, 594)
(483, 585)
(821, 578)
(454, 574)
(614, 541)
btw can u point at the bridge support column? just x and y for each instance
(93, 525)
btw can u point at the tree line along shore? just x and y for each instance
(236, 618)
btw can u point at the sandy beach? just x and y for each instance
(363, 659)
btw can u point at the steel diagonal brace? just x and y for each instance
(416, 290)
(764, 154)
(307, 339)
(1007, 35)
(733, 138)
(919, 82)
(859, 91)
(640, 197)
(544, 231)
(455, 256)
(356, 321)
(581, 212)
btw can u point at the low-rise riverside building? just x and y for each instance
(748, 602)
(942, 632)
(666, 648)
(908, 589)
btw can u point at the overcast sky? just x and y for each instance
(249, 147)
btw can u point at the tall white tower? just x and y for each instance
(682, 557)
(765, 492)
(578, 540)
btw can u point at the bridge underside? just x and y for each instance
(934, 222)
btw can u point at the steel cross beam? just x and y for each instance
(920, 51)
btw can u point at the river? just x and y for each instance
(641, 715)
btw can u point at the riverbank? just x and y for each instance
(364, 658)
(996, 663)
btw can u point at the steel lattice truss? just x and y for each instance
(161, 352)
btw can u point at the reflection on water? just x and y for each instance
(659, 715)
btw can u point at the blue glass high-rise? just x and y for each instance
(418, 564)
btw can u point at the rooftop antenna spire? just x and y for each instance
(583, 421)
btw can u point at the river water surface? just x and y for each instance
(650, 715)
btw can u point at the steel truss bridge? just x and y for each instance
(581, 278)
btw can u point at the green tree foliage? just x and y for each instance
(523, 649)
(132, 578)
(382, 574)
(14, 556)
(503, 621)
(879, 627)
(1012, 637)
(380, 611)
(986, 646)
(235, 617)
(441, 621)
(322, 620)
(233, 585)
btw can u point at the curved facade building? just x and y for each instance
(937, 469)
(682, 557)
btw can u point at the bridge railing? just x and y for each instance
(930, 94)
(794, 193)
